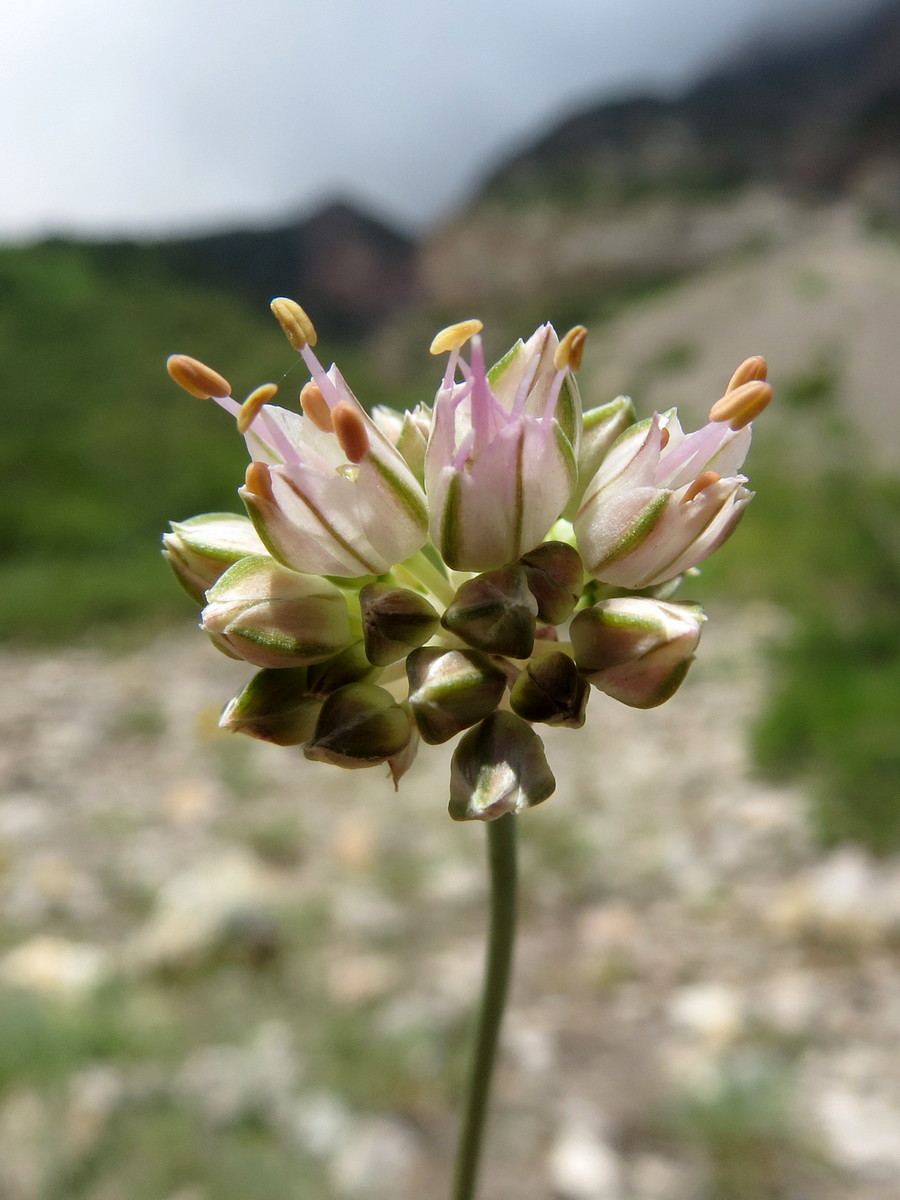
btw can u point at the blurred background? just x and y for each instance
(226, 972)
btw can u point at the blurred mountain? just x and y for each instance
(641, 189)
(349, 266)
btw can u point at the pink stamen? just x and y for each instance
(329, 391)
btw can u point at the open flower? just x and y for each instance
(327, 492)
(501, 459)
(663, 501)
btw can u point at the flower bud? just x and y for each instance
(551, 689)
(449, 690)
(555, 579)
(495, 612)
(408, 432)
(498, 767)
(359, 725)
(348, 666)
(274, 706)
(274, 617)
(201, 549)
(635, 649)
(395, 621)
(600, 429)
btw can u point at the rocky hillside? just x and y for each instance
(626, 194)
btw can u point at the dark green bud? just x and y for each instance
(274, 706)
(495, 612)
(359, 725)
(498, 767)
(350, 666)
(555, 578)
(395, 621)
(449, 690)
(551, 689)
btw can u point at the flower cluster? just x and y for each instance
(471, 568)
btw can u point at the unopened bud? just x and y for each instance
(600, 429)
(347, 666)
(360, 725)
(275, 707)
(552, 690)
(499, 767)
(555, 578)
(495, 612)
(202, 549)
(395, 621)
(274, 617)
(449, 690)
(635, 649)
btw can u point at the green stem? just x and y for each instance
(502, 864)
(419, 569)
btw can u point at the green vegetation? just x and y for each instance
(825, 544)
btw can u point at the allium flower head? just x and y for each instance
(373, 639)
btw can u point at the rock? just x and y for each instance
(862, 1131)
(199, 910)
(54, 966)
(228, 1084)
(93, 1096)
(319, 1123)
(583, 1165)
(710, 1011)
(377, 1158)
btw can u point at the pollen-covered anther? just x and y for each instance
(315, 406)
(751, 368)
(258, 482)
(298, 328)
(249, 410)
(350, 430)
(454, 337)
(570, 350)
(700, 484)
(741, 405)
(196, 377)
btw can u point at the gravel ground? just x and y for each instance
(704, 1003)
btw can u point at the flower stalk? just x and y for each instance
(502, 867)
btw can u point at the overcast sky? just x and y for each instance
(161, 115)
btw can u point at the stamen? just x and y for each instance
(298, 328)
(350, 429)
(751, 368)
(315, 406)
(664, 436)
(570, 350)
(700, 484)
(258, 481)
(454, 337)
(249, 410)
(739, 406)
(196, 377)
